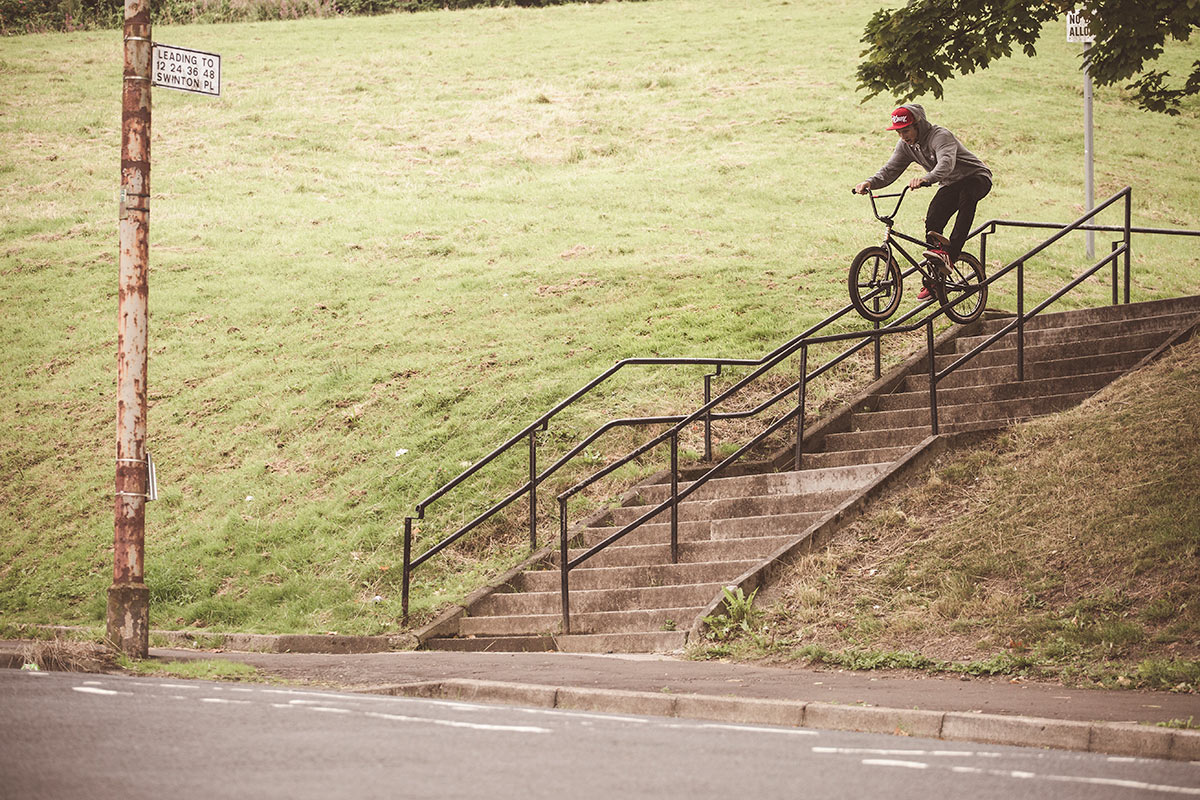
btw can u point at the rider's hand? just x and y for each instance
(862, 188)
(917, 183)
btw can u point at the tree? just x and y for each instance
(913, 49)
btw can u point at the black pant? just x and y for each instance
(961, 197)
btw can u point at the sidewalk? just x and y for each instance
(990, 710)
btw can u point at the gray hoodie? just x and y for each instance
(937, 150)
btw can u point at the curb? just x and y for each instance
(1109, 738)
(332, 644)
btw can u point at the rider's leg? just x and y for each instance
(942, 207)
(971, 191)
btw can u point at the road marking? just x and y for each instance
(870, 751)
(179, 686)
(224, 700)
(330, 709)
(454, 724)
(1024, 775)
(891, 762)
(96, 690)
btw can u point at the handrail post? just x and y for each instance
(1020, 320)
(1115, 275)
(532, 490)
(983, 249)
(878, 356)
(708, 415)
(675, 497)
(407, 569)
(933, 410)
(1128, 238)
(800, 405)
(564, 555)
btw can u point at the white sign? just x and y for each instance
(186, 70)
(1077, 28)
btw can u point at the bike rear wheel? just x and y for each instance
(966, 281)
(875, 284)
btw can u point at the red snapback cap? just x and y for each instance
(901, 118)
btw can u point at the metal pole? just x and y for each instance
(564, 556)
(933, 411)
(708, 416)
(532, 491)
(404, 580)
(1021, 321)
(675, 498)
(128, 619)
(1128, 239)
(800, 403)
(1088, 154)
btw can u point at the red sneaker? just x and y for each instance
(924, 294)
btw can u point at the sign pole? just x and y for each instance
(1088, 154)
(128, 598)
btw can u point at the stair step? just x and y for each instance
(982, 394)
(587, 577)
(648, 642)
(1035, 370)
(1049, 333)
(622, 555)
(1004, 352)
(1176, 306)
(712, 530)
(874, 439)
(492, 644)
(585, 600)
(768, 484)
(882, 457)
(731, 507)
(639, 620)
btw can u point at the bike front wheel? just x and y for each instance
(965, 288)
(875, 284)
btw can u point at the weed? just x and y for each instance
(739, 618)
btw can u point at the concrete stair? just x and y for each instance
(630, 596)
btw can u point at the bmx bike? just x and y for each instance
(876, 281)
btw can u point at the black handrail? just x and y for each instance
(567, 564)
(530, 487)
(798, 343)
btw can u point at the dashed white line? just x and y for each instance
(455, 724)
(891, 762)
(871, 751)
(1025, 775)
(96, 690)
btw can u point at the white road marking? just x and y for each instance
(1024, 775)
(330, 709)
(891, 762)
(870, 751)
(454, 724)
(224, 700)
(95, 690)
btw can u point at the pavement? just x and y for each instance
(994, 710)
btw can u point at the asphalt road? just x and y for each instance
(70, 735)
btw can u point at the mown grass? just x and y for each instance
(393, 242)
(1065, 548)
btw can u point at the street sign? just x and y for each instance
(186, 70)
(1077, 28)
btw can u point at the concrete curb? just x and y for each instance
(1109, 738)
(261, 642)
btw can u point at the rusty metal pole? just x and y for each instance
(128, 597)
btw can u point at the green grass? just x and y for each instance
(394, 241)
(1065, 548)
(200, 670)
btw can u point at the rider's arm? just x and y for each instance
(945, 149)
(901, 158)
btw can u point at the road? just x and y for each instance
(72, 736)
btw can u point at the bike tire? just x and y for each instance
(875, 284)
(966, 276)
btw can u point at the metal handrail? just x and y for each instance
(567, 564)
(529, 432)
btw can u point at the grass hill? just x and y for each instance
(1066, 548)
(394, 241)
